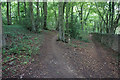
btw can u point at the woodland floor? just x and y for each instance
(79, 59)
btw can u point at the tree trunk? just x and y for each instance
(94, 28)
(109, 21)
(1, 28)
(32, 16)
(0, 42)
(56, 21)
(61, 26)
(42, 20)
(38, 14)
(67, 35)
(8, 21)
(25, 7)
(112, 27)
(67, 15)
(45, 15)
(82, 16)
(10, 14)
(71, 16)
(18, 11)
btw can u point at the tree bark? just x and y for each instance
(25, 7)
(112, 17)
(71, 16)
(10, 15)
(32, 16)
(42, 16)
(0, 29)
(45, 15)
(0, 42)
(82, 16)
(109, 21)
(38, 14)
(8, 20)
(56, 21)
(67, 23)
(61, 26)
(18, 10)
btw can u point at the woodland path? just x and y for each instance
(58, 60)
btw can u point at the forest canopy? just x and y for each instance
(75, 17)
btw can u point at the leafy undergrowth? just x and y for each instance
(21, 46)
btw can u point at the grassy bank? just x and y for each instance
(21, 45)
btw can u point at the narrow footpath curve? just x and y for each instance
(59, 60)
(50, 63)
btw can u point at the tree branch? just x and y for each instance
(100, 14)
(87, 14)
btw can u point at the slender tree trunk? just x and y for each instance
(63, 32)
(94, 28)
(56, 21)
(10, 14)
(45, 15)
(2, 36)
(8, 21)
(0, 29)
(67, 23)
(100, 26)
(0, 42)
(60, 17)
(32, 16)
(82, 16)
(18, 11)
(42, 16)
(25, 7)
(112, 17)
(109, 21)
(67, 15)
(71, 16)
(38, 14)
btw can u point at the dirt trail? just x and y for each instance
(50, 63)
(56, 60)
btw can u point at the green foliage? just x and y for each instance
(20, 43)
(73, 45)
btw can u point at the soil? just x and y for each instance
(60, 60)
